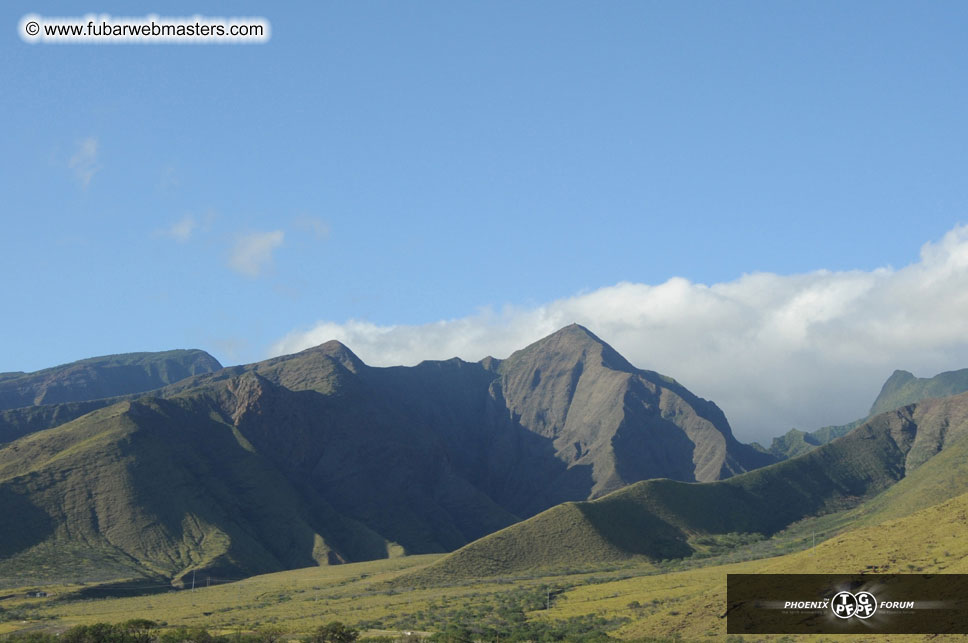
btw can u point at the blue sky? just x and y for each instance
(380, 167)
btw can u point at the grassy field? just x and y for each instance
(690, 603)
(300, 599)
(360, 594)
(632, 601)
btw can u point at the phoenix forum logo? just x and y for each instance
(847, 605)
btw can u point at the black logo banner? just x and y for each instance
(846, 604)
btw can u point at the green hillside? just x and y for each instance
(903, 388)
(316, 457)
(661, 519)
(689, 605)
(16, 423)
(796, 442)
(940, 478)
(630, 603)
(233, 477)
(900, 389)
(158, 488)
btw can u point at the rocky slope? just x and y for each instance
(902, 453)
(900, 389)
(357, 462)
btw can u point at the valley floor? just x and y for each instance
(637, 601)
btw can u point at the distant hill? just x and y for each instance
(352, 462)
(692, 603)
(102, 377)
(796, 442)
(900, 389)
(659, 519)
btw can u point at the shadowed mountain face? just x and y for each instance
(616, 423)
(362, 462)
(905, 451)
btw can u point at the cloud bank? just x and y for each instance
(773, 351)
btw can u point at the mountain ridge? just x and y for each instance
(903, 388)
(410, 459)
(900, 389)
(659, 519)
(103, 377)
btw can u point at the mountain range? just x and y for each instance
(889, 465)
(165, 464)
(900, 389)
(892, 465)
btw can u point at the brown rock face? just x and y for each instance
(622, 423)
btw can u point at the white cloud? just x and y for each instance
(187, 227)
(182, 230)
(773, 351)
(84, 162)
(252, 253)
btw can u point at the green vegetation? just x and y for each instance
(902, 388)
(500, 616)
(689, 603)
(156, 489)
(939, 479)
(170, 489)
(634, 602)
(308, 460)
(664, 519)
(333, 632)
(145, 631)
(315, 458)
(102, 377)
(16, 423)
(656, 519)
(795, 442)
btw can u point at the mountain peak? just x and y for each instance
(578, 331)
(576, 343)
(901, 376)
(903, 388)
(340, 353)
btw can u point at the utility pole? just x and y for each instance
(193, 580)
